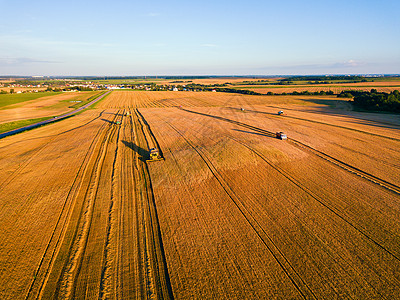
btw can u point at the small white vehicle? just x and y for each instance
(280, 135)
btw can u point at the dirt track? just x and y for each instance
(232, 212)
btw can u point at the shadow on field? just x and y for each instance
(108, 121)
(327, 102)
(105, 120)
(256, 133)
(256, 111)
(143, 153)
(374, 119)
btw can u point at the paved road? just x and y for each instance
(18, 130)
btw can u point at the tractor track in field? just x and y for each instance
(315, 197)
(109, 251)
(74, 246)
(39, 286)
(157, 281)
(224, 183)
(151, 136)
(307, 191)
(20, 168)
(65, 212)
(335, 114)
(349, 168)
(345, 166)
(138, 265)
(301, 286)
(322, 123)
(73, 267)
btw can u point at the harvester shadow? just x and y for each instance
(263, 112)
(256, 133)
(111, 122)
(143, 153)
(255, 111)
(105, 120)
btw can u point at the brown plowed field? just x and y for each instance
(232, 212)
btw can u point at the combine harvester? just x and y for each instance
(154, 155)
(280, 135)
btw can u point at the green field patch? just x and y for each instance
(19, 124)
(10, 99)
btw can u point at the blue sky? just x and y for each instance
(199, 37)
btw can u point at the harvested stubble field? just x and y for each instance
(44, 106)
(231, 213)
(337, 89)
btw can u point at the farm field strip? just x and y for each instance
(51, 201)
(107, 224)
(38, 150)
(318, 198)
(312, 89)
(160, 285)
(323, 123)
(45, 106)
(374, 179)
(42, 271)
(7, 101)
(141, 99)
(54, 119)
(392, 124)
(303, 289)
(372, 153)
(206, 213)
(388, 186)
(76, 243)
(78, 277)
(342, 263)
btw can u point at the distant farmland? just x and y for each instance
(386, 87)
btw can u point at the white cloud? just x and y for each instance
(348, 64)
(153, 14)
(12, 61)
(209, 45)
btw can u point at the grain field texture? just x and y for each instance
(231, 213)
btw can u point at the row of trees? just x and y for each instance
(237, 91)
(325, 78)
(320, 93)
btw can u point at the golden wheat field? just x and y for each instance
(385, 87)
(231, 212)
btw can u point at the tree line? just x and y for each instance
(374, 100)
